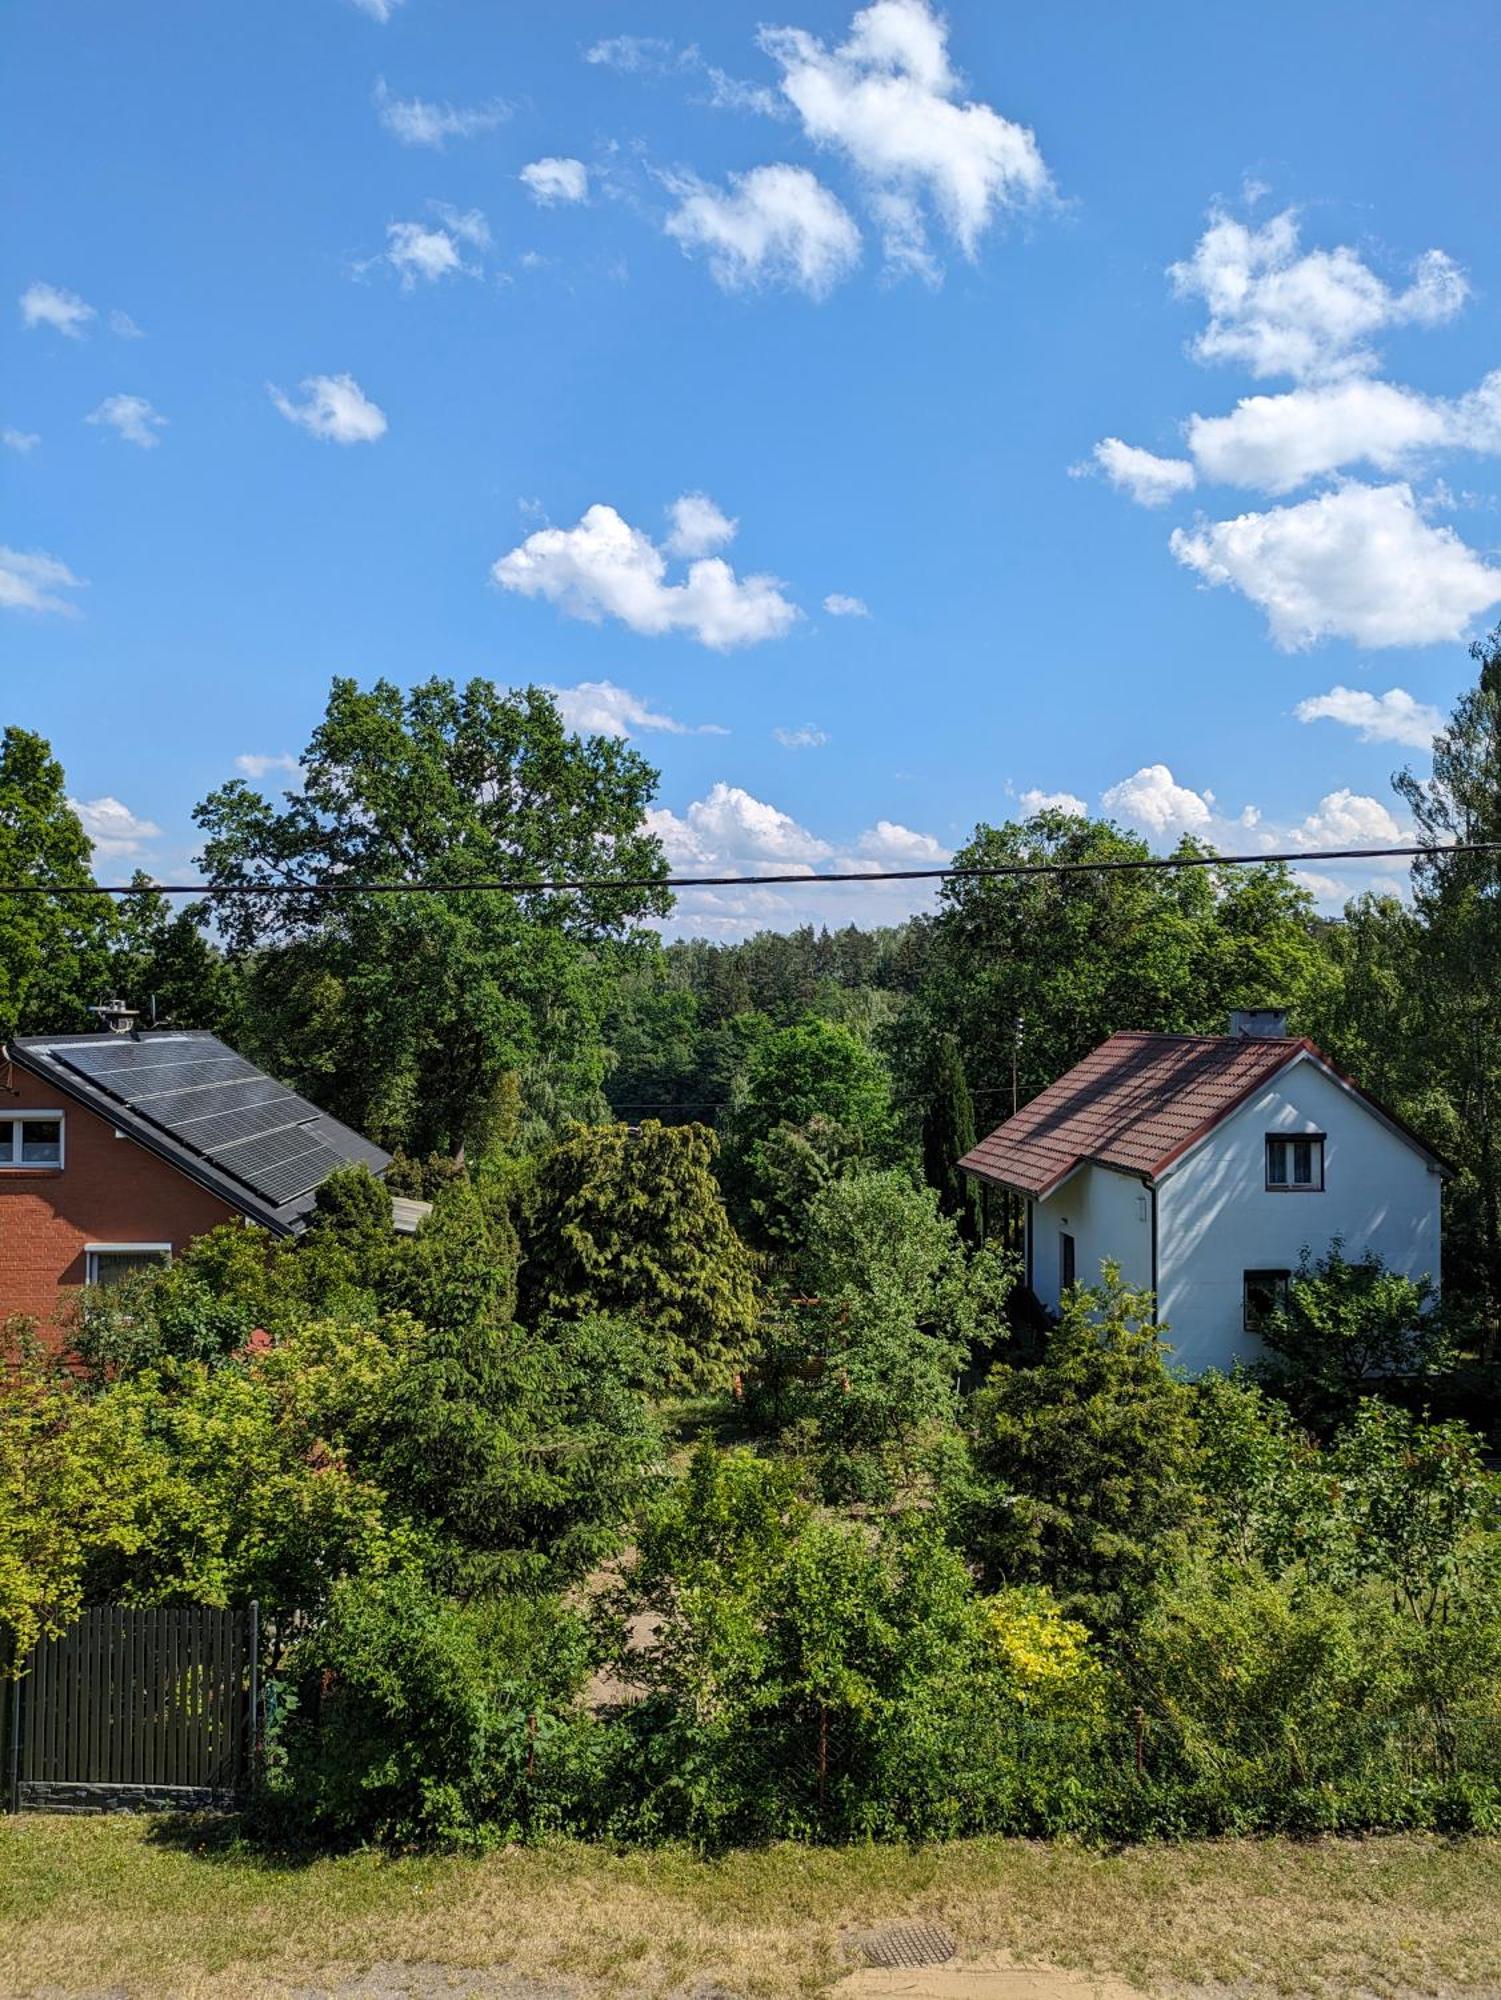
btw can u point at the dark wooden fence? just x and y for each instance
(134, 1708)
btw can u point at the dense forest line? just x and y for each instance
(715, 1480)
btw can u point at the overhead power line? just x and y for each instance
(605, 883)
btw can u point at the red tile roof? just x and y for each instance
(1136, 1103)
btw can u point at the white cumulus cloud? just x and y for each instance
(808, 737)
(699, 526)
(888, 98)
(600, 708)
(54, 306)
(732, 831)
(1276, 309)
(30, 581)
(552, 180)
(1153, 799)
(416, 121)
(21, 441)
(1348, 819)
(333, 407)
(1360, 563)
(260, 764)
(603, 567)
(839, 604)
(1393, 717)
(116, 832)
(131, 418)
(1036, 801)
(773, 225)
(1275, 443)
(897, 846)
(1151, 481)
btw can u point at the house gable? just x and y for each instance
(109, 1190)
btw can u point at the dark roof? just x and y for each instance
(207, 1111)
(1137, 1103)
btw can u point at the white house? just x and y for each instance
(1204, 1165)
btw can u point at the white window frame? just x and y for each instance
(92, 1252)
(1316, 1142)
(20, 1166)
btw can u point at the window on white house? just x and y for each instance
(1295, 1164)
(1066, 1273)
(32, 1141)
(1264, 1293)
(109, 1263)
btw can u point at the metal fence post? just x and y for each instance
(255, 1689)
(13, 1788)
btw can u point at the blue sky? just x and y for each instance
(307, 374)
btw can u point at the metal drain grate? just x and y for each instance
(905, 1944)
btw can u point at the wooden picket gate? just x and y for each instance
(134, 1708)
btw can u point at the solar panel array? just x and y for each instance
(218, 1105)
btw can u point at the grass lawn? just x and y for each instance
(131, 1907)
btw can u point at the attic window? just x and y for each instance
(1295, 1165)
(33, 1141)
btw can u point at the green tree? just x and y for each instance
(948, 1133)
(1083, 1472)
(1458, 901)
(629, 1222)
(1348, 1328)
(54, 952)
(891, 1306)
(406, 1014)
(163, 965)
(1077, 955)
(817, 1103)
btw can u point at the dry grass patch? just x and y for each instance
(149, 1909)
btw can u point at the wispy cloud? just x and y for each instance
(30, 581)
(555, 181)
(22, 441)
(839, 604)
(808, 737)
(416, 121)
(600, 708)
(131, 418)
(333, 407)
(775, 225)
(51, 305)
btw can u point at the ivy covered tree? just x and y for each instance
(629, 1223)
(406, 1015)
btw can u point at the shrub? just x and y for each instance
(417, 1720)
(1348, 1328)
(1081, 1471)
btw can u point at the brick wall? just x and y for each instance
(108, 1190)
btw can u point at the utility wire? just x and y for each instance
(522, 887)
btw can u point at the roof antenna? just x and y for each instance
(117, 1017)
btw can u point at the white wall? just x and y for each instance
(1217, 1219)
(1108, 1214)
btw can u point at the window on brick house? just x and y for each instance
(109, 1263)
(35, 1140)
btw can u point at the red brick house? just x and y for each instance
(118, 1148)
